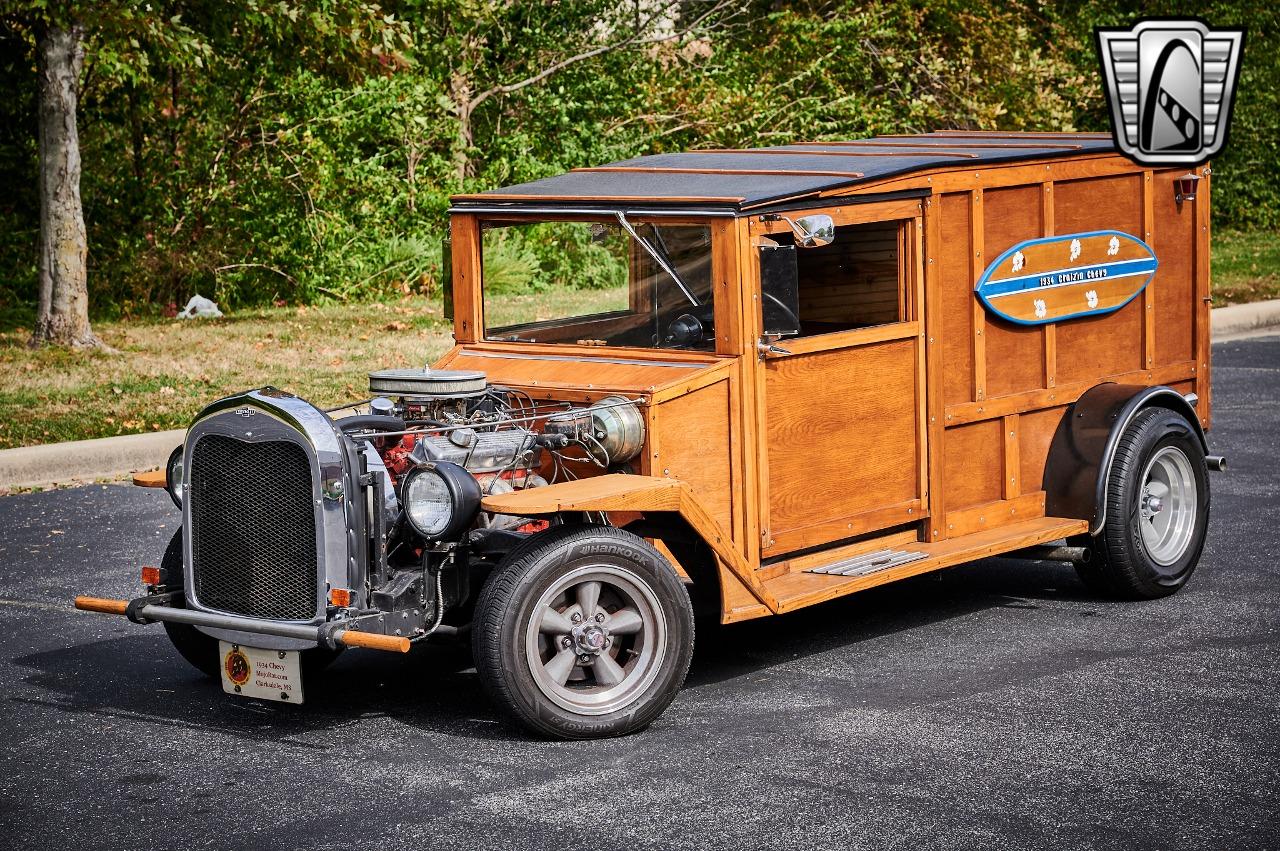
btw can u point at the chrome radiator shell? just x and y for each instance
(255, 420)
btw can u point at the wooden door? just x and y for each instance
(841, 417)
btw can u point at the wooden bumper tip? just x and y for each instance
(374, 641)
(150, 479)
(102, 606)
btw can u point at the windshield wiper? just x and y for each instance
(659, 257)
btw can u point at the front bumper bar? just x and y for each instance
(329, 634)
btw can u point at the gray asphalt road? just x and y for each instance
(997, 705)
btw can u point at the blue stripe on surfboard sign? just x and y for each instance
(1077, 275)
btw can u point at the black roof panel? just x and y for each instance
(750, 178)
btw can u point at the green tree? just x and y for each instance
(122, 41)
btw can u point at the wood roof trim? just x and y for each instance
(944, 146)
(649, 199)
(1000, 134)
(779, 152)
(750, 171)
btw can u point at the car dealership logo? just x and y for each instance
(1170, 87)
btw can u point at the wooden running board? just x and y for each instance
(809, 586)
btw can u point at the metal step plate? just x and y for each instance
(868, 563)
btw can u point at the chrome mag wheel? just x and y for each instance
(596, 639)
(1167, 505)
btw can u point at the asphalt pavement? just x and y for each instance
(995, 705)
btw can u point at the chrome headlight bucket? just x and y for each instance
(440, 500)
(173, 476)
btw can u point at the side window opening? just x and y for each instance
(855, 282)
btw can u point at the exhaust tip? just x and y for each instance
(1217, 463)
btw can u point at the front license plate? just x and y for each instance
(256, 672)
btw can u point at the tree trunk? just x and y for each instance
(63, 316)
(463, 104)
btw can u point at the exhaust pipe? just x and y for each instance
(1051, 552)
(153, 612)
(1217, 463)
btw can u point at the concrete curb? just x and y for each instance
(1239, 319)
(114, 457)
(85, 460)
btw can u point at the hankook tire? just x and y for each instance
(1157, 510)
(583, 632)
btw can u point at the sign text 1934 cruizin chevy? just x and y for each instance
(796, 373)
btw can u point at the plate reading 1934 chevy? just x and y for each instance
(1065, 277)
(257, 672)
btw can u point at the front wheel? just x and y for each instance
(1157, 510)
(583, 632)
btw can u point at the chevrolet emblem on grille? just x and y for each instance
(1170, 86)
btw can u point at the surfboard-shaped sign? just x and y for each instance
(1065, 277)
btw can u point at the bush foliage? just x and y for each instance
(230, 149)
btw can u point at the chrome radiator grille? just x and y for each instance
(253, 528)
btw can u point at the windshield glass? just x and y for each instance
(597, 284)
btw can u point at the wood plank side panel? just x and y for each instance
(1204, 352)
(1098, 346)
(1051, 329)
(726, 275)
(935, 401)
(954, 291)
(750, 324)
(977, 312)
(1063, 394)
(468, 308)
(694, 436)
(1149, 294)
(993, 515)
(839, 438)
(1035, 435)
(1173, 231)
(1015, 353)
(1012, 483)
(974, 464)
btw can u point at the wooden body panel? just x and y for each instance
(690, 441)
(935, 429)
(840, 441)
(1004, 385)
(546, 371)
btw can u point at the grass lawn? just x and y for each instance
(1246, 266)
(164, 371)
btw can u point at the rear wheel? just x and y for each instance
(1157, 510)
(583, 632)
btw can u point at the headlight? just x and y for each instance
(440, 500)
(173, 476)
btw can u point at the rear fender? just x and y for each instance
(1084, 446)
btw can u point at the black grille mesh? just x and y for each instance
(253, 532)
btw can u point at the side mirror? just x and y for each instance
(779, 290)
(813, 231)
(446, 275)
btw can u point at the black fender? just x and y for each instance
(1084, 446)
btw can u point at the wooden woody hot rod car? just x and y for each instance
(749, 381)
